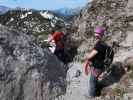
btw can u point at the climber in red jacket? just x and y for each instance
(58, 38)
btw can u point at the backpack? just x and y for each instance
(108, 57)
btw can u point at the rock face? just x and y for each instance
(28, 72)
(116, 16)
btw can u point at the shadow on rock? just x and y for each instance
(70, 54)
(112, 76)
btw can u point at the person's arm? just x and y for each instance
(88, 57)
(52, 37)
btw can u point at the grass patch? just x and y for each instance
(43, 36)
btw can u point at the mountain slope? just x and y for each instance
(37, 22)
(22, 19)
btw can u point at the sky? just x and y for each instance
(44, 4)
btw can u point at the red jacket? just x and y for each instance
(58, 38)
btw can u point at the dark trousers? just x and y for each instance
(59, 52)
(93, 81)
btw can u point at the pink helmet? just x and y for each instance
(100, 30)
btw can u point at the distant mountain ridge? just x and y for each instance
(3, 9)
(68, 11)
(61, 11)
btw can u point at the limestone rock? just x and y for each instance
(27, 71)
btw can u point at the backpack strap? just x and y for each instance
(108, 58)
